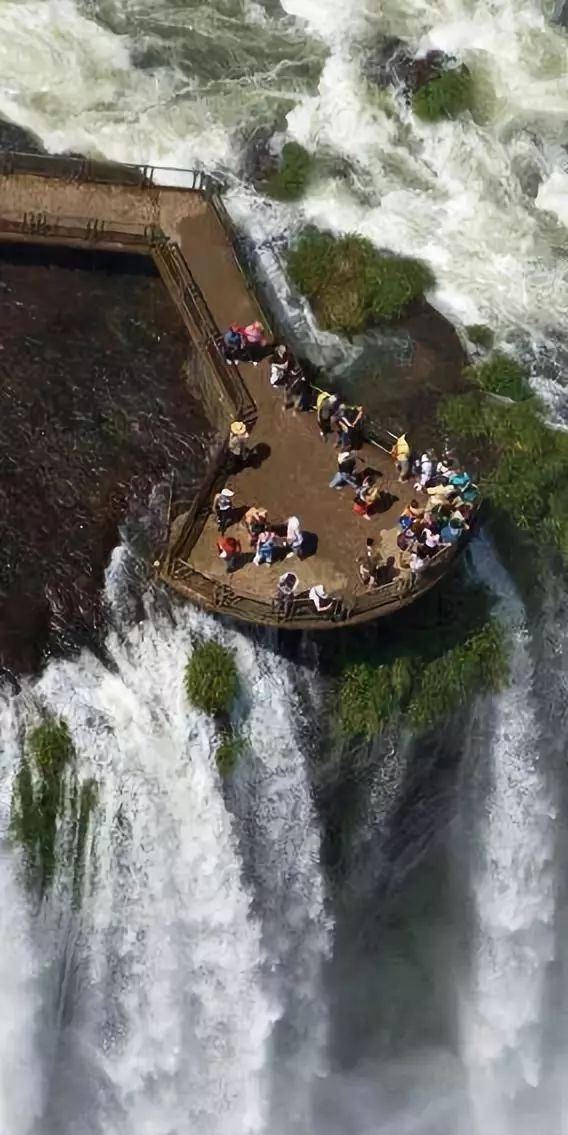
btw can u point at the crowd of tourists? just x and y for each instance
(435, 518)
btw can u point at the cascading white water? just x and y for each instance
(21, 1075)
(169, 1022)
(276, 800)
(513, 892)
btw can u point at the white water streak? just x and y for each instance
(513, 890)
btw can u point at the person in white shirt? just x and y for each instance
(320, 599)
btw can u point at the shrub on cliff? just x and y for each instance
(211, 678)
(445, 96)
(421, 691)
(45, 793)
(503, 375)
(352, 286)
(523, 462)
(290, 181)
(423, 667)
(480, 335)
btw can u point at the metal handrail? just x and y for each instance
(102, 170)
(300, 608)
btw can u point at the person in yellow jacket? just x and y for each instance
(326, 405)
(401, 453)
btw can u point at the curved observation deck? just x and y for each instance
(188, 234)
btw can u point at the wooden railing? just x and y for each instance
(300, 610)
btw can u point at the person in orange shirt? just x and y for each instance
(229, 550)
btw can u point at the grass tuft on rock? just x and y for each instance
(290, 181)
(39, 801)
(446, 96)
(480, 335)
(211, 678)
(447, 649)
(523, 462)
(229, 749)
(352, 286)
(500, 374)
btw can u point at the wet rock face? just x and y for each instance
(260, 157)
(95, 414)
(14, 137)
(391, 63)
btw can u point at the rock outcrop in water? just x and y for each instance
(392, 63)
(14, 137)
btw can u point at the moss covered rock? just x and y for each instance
(447, 648)
(47, 801)
(211, 678)
(523, 462)
(290, 181)
(502, 375)
(352, 286)
(447, 95)
(480, 335)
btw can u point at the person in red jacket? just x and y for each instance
(229, 550)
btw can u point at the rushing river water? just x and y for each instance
(336, 944)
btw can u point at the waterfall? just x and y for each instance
(512, 888)
(168, 1016)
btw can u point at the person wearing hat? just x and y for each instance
(238, 448)
(223, 508)
(320, 599)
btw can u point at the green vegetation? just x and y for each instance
(426, 667)
(480, 335)
(350, 285)
(448, 95)
(88, 797)
(523, 461)
(290, 181)
(39, 804)
(211, 678)
(229, 750)
(502, 375)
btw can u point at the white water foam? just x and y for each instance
(513, 892)
(286, 849)
(21, 1075)
(176, 984)
(174, 1019)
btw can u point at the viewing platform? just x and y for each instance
(188, 235)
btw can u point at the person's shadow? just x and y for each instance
(258, 455)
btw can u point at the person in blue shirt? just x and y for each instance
(452, 531)
(234, 344)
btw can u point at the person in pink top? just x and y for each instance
(255, 341)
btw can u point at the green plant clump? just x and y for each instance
(503, 375)
(422, 691)
(350, 285)
(38, 799)
(228, 751)
(480, 335)
(211, 678)
(88, 797)
(446, 96)
(290, 181)
(524, 463)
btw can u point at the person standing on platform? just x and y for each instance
(238, 448)
(229, 550)
(255, 342)
(223, 508)
(294, 537)
(326, 405)
(401, 453)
